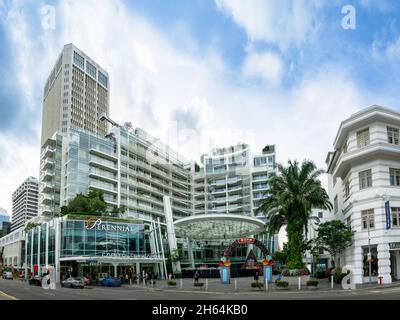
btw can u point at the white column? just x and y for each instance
(162, 248)
(26, 255)
(115, 265)
(47, 246)
(57, 249)
(384, 263)
(190, 252)
(137, 268)
(32, 250)
(358, 267)
(176, 266)
(38, 251)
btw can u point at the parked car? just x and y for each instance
(8, 275)
(73, 283)
(36, 281)
(111, 282)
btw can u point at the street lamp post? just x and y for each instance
(369, 253)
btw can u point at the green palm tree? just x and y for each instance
(293, 192)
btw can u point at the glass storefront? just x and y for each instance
(374, 261)
(109, 239)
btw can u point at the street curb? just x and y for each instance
(270, 291)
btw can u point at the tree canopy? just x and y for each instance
(293, 192)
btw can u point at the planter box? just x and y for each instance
(294, 281)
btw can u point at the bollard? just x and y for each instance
(130, 282)
(331, 282)
(299, 283)
(206, 284)
(235, 285)
(266, 285)
(181, 284)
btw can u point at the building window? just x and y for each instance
(103, 79)
(346, 189)
(320, 214)
(367, 217)
(260, 161)
(79, 60)
(374, 261)
(363, 138)
(394, 177)
(393, 135)
(365, 179)
(348, 222)
(395, 217)
(335, 205)
(91, 69)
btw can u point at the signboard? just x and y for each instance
(246, 240)
(387, 211)
(267, 273)
(225, 273)
(98, 224)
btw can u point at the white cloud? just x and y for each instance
(282, 22)
(150, 79)
(265, 65)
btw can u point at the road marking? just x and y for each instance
(8, 296)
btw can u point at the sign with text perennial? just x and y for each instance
(388, 218)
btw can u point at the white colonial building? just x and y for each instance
(364, 186)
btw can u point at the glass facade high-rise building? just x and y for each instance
(76, 93)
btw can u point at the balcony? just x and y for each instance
(47, 199)
(377, 149)
(234, 180)
(47, 164)
(48, 152)
(46, 210)
(218, 191)
(103, 187)
(47, 187)
(104, 155)
(47, 175)
(106, 165)
(103, 176)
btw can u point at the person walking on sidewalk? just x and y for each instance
(196, 277)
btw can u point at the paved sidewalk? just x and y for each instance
(243, 285)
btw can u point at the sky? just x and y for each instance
(203, 73)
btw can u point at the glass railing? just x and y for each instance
(105, 162)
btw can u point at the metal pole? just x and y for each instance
(299, 283)
(235, 284)
(181, 283)
(206, 284)
(369, 254)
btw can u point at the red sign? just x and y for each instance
(246, 240)
(35, 267)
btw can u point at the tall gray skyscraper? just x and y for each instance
(24, 203)
(75, 94)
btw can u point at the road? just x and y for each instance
(16, 290)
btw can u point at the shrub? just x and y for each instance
(198, 284)
(257, 284)
(312, 283)
(282, 284)
(172, 283)
(338, 275)
(321, 274)
(295, 272)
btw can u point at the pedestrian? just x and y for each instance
(256, 276)
(169, 276)
(196, 277)
(146, 277)
(127, 278)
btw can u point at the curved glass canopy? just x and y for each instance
(218, 226)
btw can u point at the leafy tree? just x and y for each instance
(293, 192)
(334, 236)
(80, 203)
